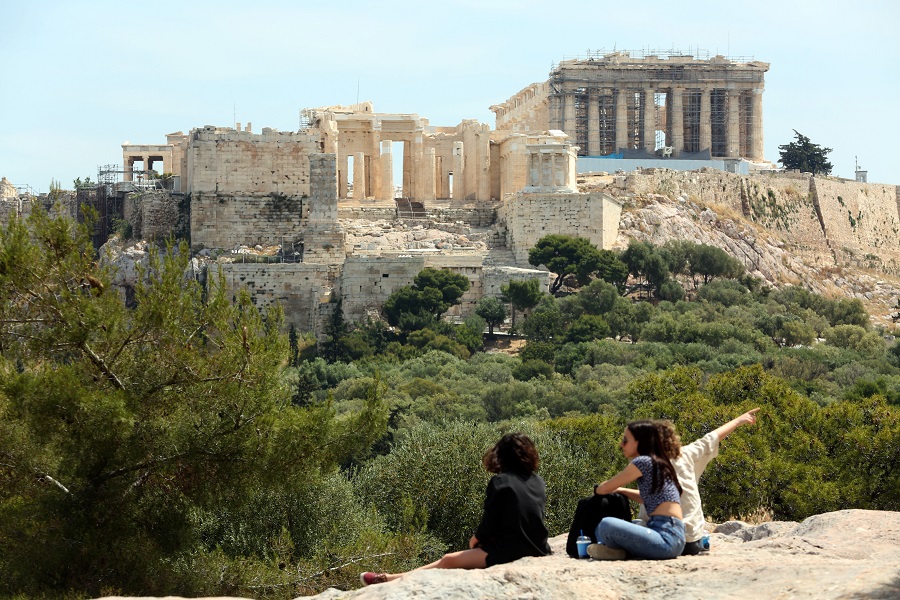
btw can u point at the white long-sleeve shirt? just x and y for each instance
(690, 467)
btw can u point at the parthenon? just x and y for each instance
(665, 103)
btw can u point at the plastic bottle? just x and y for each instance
(704, 543)
(583, 542)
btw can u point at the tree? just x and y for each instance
(711, 262)
(521, 295)
(433, 292)
(120, 427)
(564, 255)
(334, 348)
(604, 265)
(450, 285)
(636, 257)
(545, 322)
(805, 156)
(492, 310)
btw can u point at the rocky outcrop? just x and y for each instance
(839, 555)
(850, 553)
(769, 254)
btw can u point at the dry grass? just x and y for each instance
(761, 514)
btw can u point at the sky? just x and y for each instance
(79, 79)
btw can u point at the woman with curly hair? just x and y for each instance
(512, 525)
(651, 446)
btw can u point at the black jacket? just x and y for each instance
(512, 526)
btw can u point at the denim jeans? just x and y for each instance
(662, 538)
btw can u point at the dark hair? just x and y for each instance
(515, 452)
(658, 440)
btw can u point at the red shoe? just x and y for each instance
(369, 578)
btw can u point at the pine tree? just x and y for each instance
(803, 155)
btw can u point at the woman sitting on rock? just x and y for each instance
(651, 446)
(512, 525)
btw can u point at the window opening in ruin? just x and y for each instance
(635, 112)
(351, 193)
(745, 122)
(659, 106)
(581, 121)
(718, 101)
(397, 157)
(607, 102)
(691, 100)
(450, 184)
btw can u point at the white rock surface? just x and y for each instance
(840, 555)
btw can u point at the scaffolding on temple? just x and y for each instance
(718, 104)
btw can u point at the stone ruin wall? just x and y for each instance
(299, 288)
(529, 217)
(155, 214)
(367, 281)
(248, 188)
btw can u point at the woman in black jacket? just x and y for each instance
(512, 525)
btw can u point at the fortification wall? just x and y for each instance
(785, 203)
(367, 281)
(529, 217)
(708, 186)
(861, 222)
(468, 265)
(224, 220)
(299, 288)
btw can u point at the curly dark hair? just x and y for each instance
(515, 452)
(658, 440)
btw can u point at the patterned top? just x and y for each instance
(668, 492)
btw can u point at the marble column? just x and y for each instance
(569, 115)
(458, 191)
(375, 174)
(677, 124)
(705, 119)
(428, 175)
(387, 171)
(342, 176)
(756, 128)
(359, 176)
(129, 168)
(621, 119)
(593, 123)
(734, 142)
(482, 164)
(418, 169)
(649, 126)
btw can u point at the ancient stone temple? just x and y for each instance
(668, 104)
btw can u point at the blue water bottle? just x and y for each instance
(583, 542)
(704, 543)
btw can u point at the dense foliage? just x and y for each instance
(185, 446)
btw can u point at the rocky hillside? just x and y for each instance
(772, 249)
(840, 555)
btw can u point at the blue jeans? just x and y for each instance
(662, 538)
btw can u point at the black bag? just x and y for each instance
(589, 513)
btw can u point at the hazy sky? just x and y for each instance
(80, 78)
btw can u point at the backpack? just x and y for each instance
(589, 513)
